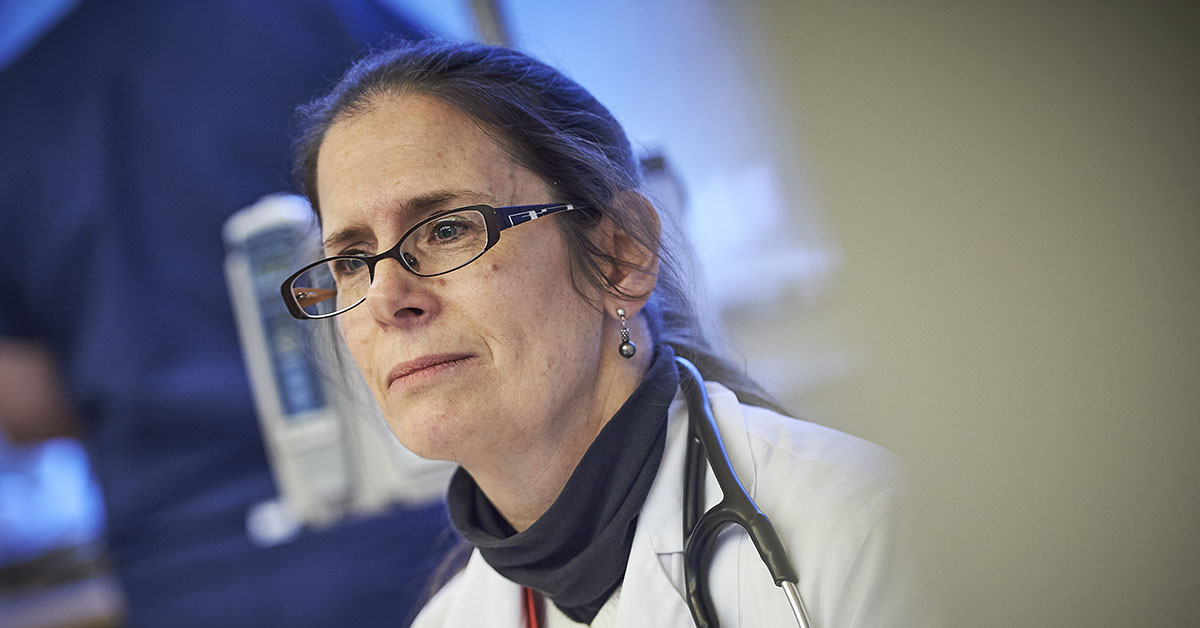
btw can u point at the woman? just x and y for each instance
(503, 288)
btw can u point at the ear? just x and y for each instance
(634, 272)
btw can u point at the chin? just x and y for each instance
(430, 435)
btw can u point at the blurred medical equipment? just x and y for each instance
(736, 507)
(331, 456)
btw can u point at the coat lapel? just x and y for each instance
(499, 599)
(652, 594)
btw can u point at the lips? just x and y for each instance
(424, 364)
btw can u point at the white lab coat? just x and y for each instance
(833, 498)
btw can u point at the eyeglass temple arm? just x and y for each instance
(513, 216)
(312, 296)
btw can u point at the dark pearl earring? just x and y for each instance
(627, 347)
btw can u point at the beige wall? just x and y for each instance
(1015, 191)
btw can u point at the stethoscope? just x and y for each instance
(736, 507)
(700, 530)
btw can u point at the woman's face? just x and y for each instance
(488, 358)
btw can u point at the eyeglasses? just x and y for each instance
(442, 243)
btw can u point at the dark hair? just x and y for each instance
(549, 124)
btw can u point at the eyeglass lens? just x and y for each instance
(433, 247)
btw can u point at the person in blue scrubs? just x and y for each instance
(131, 131)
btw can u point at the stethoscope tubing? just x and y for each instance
(736, 507)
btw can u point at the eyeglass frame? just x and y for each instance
(496, 219)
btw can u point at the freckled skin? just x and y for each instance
(538, 383)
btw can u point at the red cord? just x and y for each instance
(531, 615)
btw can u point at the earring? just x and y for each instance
(627, 348)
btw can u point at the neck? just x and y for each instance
(522, 484)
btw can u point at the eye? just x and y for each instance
(447, 231)
(347, 267)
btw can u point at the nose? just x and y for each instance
(397, 296)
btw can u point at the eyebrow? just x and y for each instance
(413, 206)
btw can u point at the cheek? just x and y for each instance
(356, 339)
(560, 328)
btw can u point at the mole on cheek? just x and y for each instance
(441, 282)
(495, 267)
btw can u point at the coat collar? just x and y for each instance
(662, 515)
(652, 593)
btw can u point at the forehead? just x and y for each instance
(406, 147)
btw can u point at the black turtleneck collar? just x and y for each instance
(576, 552)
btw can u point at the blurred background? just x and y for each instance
(969, 232)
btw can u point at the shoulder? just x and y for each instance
(831, 489)
(814, 480)
(838, 504)
(807, 452)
